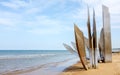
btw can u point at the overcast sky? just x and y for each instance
(46, 24)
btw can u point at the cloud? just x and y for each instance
(34, 7)
(43, 21)
(10, 19)
(32, 10)
(115, 19)
(40, 20)
(46, 26)
(114, 10)
(78, 13)
(91, 3)
(49, 31)
(16, 4)
(115, 27)
(38, 6)
(6, 22)
(113, 5)
(53, 18)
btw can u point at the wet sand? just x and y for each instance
(73, 67)
(47, 69)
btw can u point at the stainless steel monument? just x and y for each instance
(104, 43)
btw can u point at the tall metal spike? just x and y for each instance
(90, 40)
(89, 29)
(94, 40)
(107, 34)
(94, 31)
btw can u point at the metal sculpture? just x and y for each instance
(90, 40)
(69, 48)
(94, 41)
(104, 43)
(79, 38)
(107, 35)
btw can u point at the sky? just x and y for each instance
(47, 24)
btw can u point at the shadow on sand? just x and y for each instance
(74, 69)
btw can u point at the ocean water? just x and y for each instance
(13, 60)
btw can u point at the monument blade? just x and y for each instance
(86, 42)
(90, 40)
(94, 40)
(107, 34)
(74, 45)
(89, 30)
(79, 37)
(69, 48)
(101, 45)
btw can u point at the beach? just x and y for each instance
(48, 69)
(15, 62)
(103, 68)
(74, 67)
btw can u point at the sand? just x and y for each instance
(74, 67)
(103, 68)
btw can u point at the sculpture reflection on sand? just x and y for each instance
(82, 43)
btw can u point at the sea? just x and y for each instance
(16, 60)
(20, 60)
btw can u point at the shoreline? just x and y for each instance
(55, 68)
(74, 67)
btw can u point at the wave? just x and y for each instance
(25, 56)
(51, 65)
